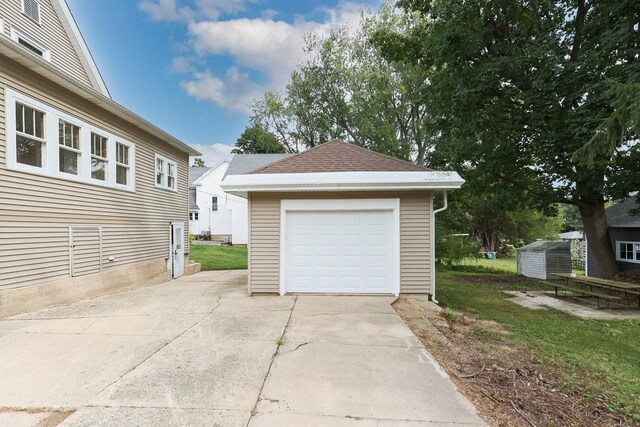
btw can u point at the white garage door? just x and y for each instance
(339, 252)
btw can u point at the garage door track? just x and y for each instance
(198, 352)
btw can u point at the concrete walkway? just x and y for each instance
(198, 352)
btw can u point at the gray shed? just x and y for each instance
(542, 259)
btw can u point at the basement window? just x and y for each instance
(30, 45)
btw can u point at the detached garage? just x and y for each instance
(338, 219)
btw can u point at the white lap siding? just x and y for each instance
(36, 211)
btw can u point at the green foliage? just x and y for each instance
(596, 357)
(348, 90)
(219, 257)
(257, 140)
(536, 103)
(450, 315)
(198, 162)
(451, 249)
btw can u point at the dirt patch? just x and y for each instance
(508, 385)
(53, 417)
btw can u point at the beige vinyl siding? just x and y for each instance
(36, 211)
(50, 34)
(415, 237)
(264, 235)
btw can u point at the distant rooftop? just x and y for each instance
(196, 172)
(245, 163)
(618, 215)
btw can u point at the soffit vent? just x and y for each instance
(31, 8)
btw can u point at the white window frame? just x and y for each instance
(635, 251)
(127, 166)
(44, 141)
(51, 158)
(16, 35)
(71, 149)
(24, 12)
(165, 173)
(217, 204)
(194, 216)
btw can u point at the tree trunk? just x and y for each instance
(597, 233)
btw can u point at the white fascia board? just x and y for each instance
(341, 181)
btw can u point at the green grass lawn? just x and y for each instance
(596, 357)
(507, 265)
(219, 257)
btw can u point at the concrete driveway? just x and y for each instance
(198, 352)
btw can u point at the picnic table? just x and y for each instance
(628, 289)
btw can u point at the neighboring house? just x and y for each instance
(87, 188)
(213, 210)
(339, 219)
(624, 232)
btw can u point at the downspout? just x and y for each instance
(433, 246)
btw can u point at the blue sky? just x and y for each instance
(192, 66)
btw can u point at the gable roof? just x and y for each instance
(246, 163)
(338, 156)
(618, 214)
(196, 172)
(77, 41)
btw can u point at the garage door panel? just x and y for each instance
(339, 252)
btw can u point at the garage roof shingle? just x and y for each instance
(338, 156)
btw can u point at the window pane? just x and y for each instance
(28, 121)
(19, 117)
(98, 169)
(69, 161)
(69, 135)
(122, 154)
(172, 169)
(28, 151)
(98, 145)
(171, 182)
(39, 124)
(122, 175)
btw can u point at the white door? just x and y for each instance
(177, 249)
(339, 252)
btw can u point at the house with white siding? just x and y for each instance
(212, 211)
(93, 198)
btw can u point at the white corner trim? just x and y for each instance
(1, 26)
(301, 205)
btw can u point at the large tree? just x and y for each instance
(346, 89)
(257, 140)
(532, 99)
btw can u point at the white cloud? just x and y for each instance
(235, 91)
(269, 47)
(173, 10)
(212, 154)
(263, 46)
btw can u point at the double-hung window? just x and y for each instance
(30, 137)
(99, 159)
(69, 151)
(214, 203)
(43, 140)
(628, 251)
(166, 173)
(122, 164)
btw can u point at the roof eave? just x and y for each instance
(241, 185)
(15, 52)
